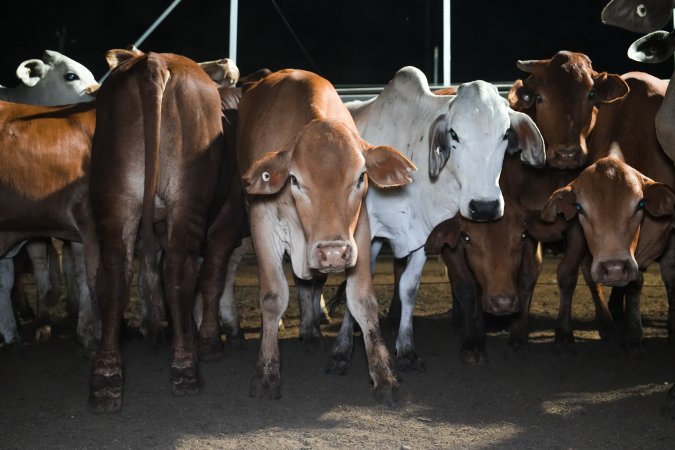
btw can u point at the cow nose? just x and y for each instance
(615, 271)
(568, 153)
(502, 304)
(333, 257)
(484, 210)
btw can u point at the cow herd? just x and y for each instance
(176, 166)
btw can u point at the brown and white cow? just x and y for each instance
(156, 154)
(493, 268)
(44, 191)
(581, 113)
(306, 172)
(624, 220)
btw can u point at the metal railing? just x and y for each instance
(360, 92)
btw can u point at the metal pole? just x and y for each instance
(159, 20)
(446, 42)
(234, 13)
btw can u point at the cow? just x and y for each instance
(302, 160)
(459, 143)
(493, 268)
(601, 109)
(53, 80)
(223, 71)
(159, 142)
(44, 185)
(639, 16)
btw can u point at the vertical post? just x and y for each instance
(234, 12)
(446, 42)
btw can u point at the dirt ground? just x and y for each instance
(594, 398)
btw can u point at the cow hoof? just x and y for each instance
(185, 381)
(338, 364)
(386, 394)
(26, 313)
(266, 386)
(236, 341)
(564, 343)
(410, 361)
(210, 349)
(312, 344)
(473, 356)
(105, 391)
(632, 350)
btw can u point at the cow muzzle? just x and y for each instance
(501, 304)
(332, 256)
(615, 272)
(485, 210)
(566, 157)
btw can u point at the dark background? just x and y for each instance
(348, 41)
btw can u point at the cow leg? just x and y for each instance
(394, 313)
(362, 304)
(86, 320)
(668, 407)
(309, 299)
(667, 264)
(632, 340)
(341, 354)
(406, 355)
(603, 318)
(113, 280)
(528, 274)
(72, 294)
(8, 327)
(45, 271)
(228, 306)
(568, 272)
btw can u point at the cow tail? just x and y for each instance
(152, 88)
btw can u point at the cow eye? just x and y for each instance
(453, 135)
(465, 237)
(70, 76)
(523, 236)
(537, 98)
(641, 204)
(362, 178)
(579, 208)
(294, 181)
(592, 94)
(506, 135)
(641, 10)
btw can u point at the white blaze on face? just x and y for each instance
(477, 125)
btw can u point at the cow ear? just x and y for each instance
(387, 167)
(117, 56)
(609, 87)
(223, 71)
(524, 136)
(445, 233)
(659, 199)
(440, 145)
(562, 201)
(268, 174)
(521, 98)
(31, 71)
(542, 230)
(653, 48)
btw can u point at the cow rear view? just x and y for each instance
(154, 167)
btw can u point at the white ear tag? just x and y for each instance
(266, 176)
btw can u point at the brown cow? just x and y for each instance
(596, 109)
(624, 235)
(155, 160)
(43, 190)
(306, 199)
(493, 268)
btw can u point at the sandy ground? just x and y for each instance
(594, 398)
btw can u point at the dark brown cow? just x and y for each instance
(580, 113)
(155, 159)
(43, 191)
(493, 268)
(306, 172)
(624, 221)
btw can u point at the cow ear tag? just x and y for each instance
(266, 176)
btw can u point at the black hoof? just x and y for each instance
(410, 361)
(312, 344)
(185, 381)
(27, 314)
(266, 386)
(105, 393)
(338, 364)
(210, 349)
(387, 394)
(473, 356)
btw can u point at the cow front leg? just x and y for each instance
(567, 274)
(88, 331)
(309, 299)
(527, 279)
(667, 265)
(603, 317)
(8, 327)
(46, 271)
(632, 340)
(406, 354)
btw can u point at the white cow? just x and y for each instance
(458, 144)
(53, 80)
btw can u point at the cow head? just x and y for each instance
(56, 80)
(638, 16)
(327, 167)
(471, 138)
(493, 251)
(654, 48)
(611, 200)
(562, 95)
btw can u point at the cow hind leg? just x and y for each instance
(227, 304)
(407, 357)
